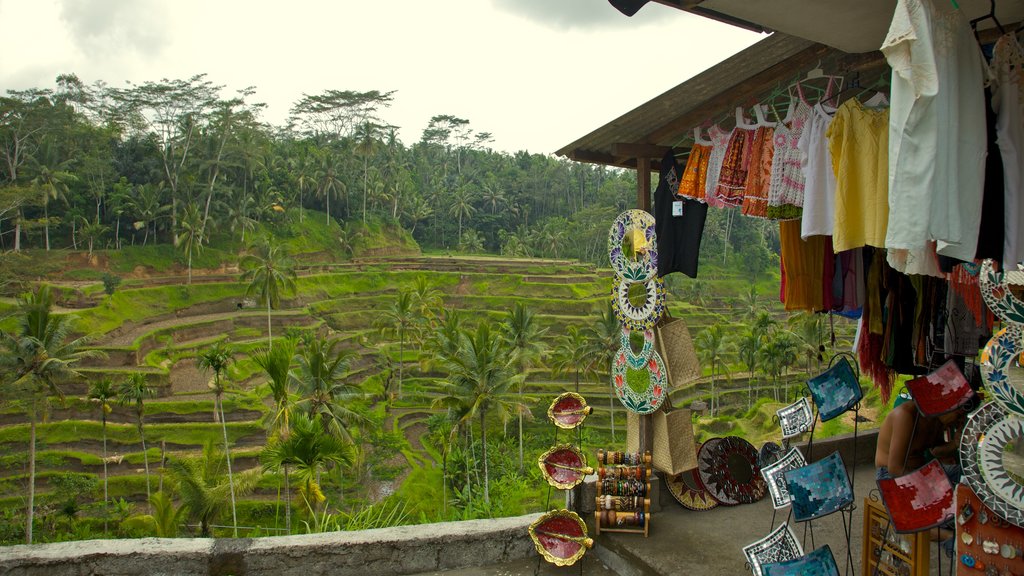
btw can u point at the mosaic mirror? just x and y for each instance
(640, 390)
(819, 488)
(728, 469)
(919, 500)
(778, 546)
(975, 432)
(836, 390)
(1000, 367)
(775, 476)
(632, 246)
(1001, 458)
(796, 418)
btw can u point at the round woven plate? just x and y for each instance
(727, 468)
(685, 488)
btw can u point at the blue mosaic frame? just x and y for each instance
(820, 488)
(836, 390)
(820, 562)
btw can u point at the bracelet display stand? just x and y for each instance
(886, 553)
(623, 493)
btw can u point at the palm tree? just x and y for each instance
(277, 364)
(461, 204)
(165, 515)
(367, 137)
(429, 301)
(37, 359)
(715, 348)
(148, 205)
(777, 354)
(309, 450)
(748, 347)
(102, 393)
(492, 196)
(328, 179)
(268, 271)
(603, 335)
(190, 233)
(133, 391)
(750, 304)
(481, 379)
(91, 231)
(217, 359)
(201, 484)
(807, 328)
(322, 388)
(52, 182)
(525, 337)
(398, 319)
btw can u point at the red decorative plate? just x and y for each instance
(564, 466)
(569, 410)
(560, 536)
(919, 500)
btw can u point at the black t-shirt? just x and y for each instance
(678, 236)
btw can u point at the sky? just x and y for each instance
(536, 74)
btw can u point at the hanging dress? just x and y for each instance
(819, 180)
(759, 176)
(1008, 103)
(719, 142)
(694, 179)
(733, 177)
(786, 188)
(858, 140)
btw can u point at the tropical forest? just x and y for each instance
(211, 325)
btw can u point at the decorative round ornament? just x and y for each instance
(1003, 378)
(636, 227)
(569, 410)
(642, 317)
(998, 440)
(636, 361)
(560, 536)
(975, 431)
(640, 390)
(997, 295)
(727, 468)
(686, 489)
(564, 466)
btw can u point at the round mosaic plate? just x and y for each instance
(727, 468)
(1001, 435)
(997, 295)
(978, 424)
(651, 398)
(636, 361)
(645, 267)
(642, 317)
(998, 367)
(686, 489)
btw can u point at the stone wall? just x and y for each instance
(401, 550)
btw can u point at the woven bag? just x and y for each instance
(674, 449)
(676, 348)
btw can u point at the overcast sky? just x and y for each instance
(537, 74)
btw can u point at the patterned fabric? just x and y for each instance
(695, 175)
(719, 142)
(786, 191)
(759, 175)
(820, 488)
(733, 177)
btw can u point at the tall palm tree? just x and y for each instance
(481, 380)
(328, 178)
(603, 335)
(52, 182)
(148, 206)
(748, 347)
(713, 347)
(201, 484)
(190, 233)
(37, 359)
(525, 337)
(429, 301)
(398, 319)
(309, 450)
(102, 394)
(276, 363)
(777, 354)
(461, 204)
(323, 389)
(217, 359)
(807, 327)
(367, 137)
(268, 270)
(134, 390)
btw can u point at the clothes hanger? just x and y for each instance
(741, 120)
(815, 74)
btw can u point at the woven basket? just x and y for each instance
(674, 449)
(676, 348)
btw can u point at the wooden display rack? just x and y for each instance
(613, 470)
(897, 555)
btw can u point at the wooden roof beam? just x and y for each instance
(638, 150)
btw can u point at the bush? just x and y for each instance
(110, 283)
(138, 526)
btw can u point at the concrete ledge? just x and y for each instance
(400, 550)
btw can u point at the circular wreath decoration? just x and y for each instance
(645, 267)
(1000, 354)
(636, 361)
(686, 489)
(979, 422)
(642, 317)
(728, 469)
(625, 377)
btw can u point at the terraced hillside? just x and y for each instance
(157, 326)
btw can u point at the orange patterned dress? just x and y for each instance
(759, 175)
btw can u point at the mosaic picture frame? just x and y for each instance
(779, 545)
(836, 390)
(717, 461)
(991, 457)
(646, 267)
(919, 500)
(820, 562)
(651, 398)
(775, 476)
(977, 425)
(941, 391)
(796, 418)
(819, 488)
(645, 316)
(997, 360)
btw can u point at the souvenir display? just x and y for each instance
(919, 500)
(778, 546)
(769, 453)
(623, 488)
(997, 295)
(560, 536)
(1001, 457)
(636, 361)
(796, 418)
(975, 433)
(819, 488)
(836, 390)
(727, 468)
(942, 391)
(1004, 378)
(647, 314)
(568, 410)
(640, 264)
(775, 476)
(821, 562)
(564, 466)
(981, 536)
(641, 391)
(686, 489)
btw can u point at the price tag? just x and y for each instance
(677, 208)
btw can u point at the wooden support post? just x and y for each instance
(643, 184)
